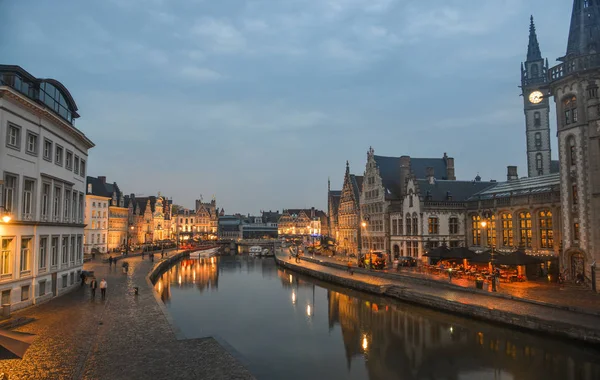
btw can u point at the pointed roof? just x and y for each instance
(584, 33)
(533, 50)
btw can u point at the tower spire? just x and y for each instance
(533, 50)
(584, 35)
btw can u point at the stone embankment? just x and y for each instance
(514, 313)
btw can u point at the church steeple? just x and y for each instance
(533, 50)
(584, 33)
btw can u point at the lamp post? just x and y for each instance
(487, 216)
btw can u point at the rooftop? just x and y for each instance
(521, 186)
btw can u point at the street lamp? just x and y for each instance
(487, 216)
(127, 240)
(5, 215)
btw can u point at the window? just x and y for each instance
(32, 143)
(65, 282)
(507, 230)
(491, 231)
(453, 224)
(72, 278)
(576, 231)
(47, 150)
(10, 192)
(574, 195)
(43, 252)
(415, 247)
(434, 226)
(400, 226)
(72, 256)
(28, 191)
(525, 228)
(69, 160)
(54, 252)
(80, 207)
(66, 205)
(6, 297)
(537, 121)
(546, 232)
(572, 152)
(76, 165)
(45, 200)
(410, 200)
(42, 288)
(570, 110)
(476, 227)
(65, 250)
(415, 223)
(56, 205)
(538, 140)
(13, 136)
(82, 168)
(25, 254)
(24, 293)
(74, 207)
(539, 163)
(79, 248)
(5, 264)
(58, 155)
(394, 227)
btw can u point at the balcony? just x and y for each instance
(573, 65)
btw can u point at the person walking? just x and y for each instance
(93, 286)
(82, 278)
(110, 261)
(103, 286)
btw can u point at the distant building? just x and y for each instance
(207, 219)
(230, 227)
(301, 223)
(43, 163)
(333, 203)
(96, 216)
(349, 229)
(150, 217)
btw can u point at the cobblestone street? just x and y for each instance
(124, 337)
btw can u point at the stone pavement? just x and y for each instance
(568, 296)
(124, 337)
(535, 317)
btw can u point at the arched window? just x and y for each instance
(410, 199)
(408, 225)
(538, 140)
(537, 120)
(572, 151)
(525, 228)
(534, 71)
(491, 231)
(570, 110)
(507, 230)
(415, 222)
(539, 163)
(546, 232)
(476, 226)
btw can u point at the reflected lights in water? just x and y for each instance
(293, 298)
(291, 279)
(308, 310)
(365, 343)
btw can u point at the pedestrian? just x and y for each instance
(143, 254)
(110, 261)
(103, 286)
(162, 254)
(82, 278)
(151, 257)
(93, 286)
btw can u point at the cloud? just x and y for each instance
(255, 25)
(218, 35)
(200, 74)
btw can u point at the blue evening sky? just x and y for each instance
(260, 101)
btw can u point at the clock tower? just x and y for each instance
(537, 108)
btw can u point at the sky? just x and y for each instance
(259, 102)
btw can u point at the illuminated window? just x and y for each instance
(546, 232)
(570, 110)
(475, 225)
(525, 228)
(507, 230)
(434, 226)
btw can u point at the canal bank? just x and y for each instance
(523, 315)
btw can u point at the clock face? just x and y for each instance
(536, 97)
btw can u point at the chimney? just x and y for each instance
(450, 174)
(430, 175)
(404, 172)
(102, 179)
(511, 174)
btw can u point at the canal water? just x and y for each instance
(287, 326)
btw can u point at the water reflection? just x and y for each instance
(316, 330)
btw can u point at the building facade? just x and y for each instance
(333, 204)
(43, 160)
(432, 213)
(301, 223)
(574, 84)
(349, 218)
(207, 219)
(150, 218)
(96, 221)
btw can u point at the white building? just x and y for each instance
(43, 165)
(96, 219)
